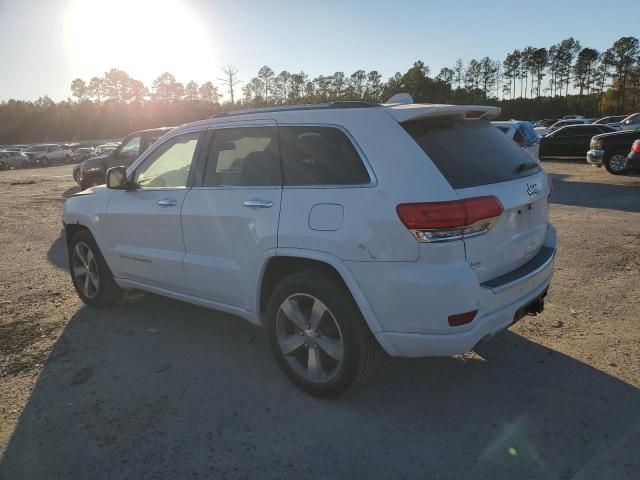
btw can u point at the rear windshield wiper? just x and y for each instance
(523, 167)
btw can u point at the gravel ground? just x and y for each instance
(155, 388)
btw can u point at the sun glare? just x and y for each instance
(142, 37)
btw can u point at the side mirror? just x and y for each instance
(117, 178)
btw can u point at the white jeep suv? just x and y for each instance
(345, 229)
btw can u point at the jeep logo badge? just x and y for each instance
(533, 189)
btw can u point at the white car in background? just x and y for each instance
(345, 229)
(523, 134)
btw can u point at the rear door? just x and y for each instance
(478, 161)
(230, 217)
(577, 143)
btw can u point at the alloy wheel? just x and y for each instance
(85, 269)
(309, 338)
(618, 162)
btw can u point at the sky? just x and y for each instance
(45, 44)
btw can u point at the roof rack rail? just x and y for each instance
(303, 106)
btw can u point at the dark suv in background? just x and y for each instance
(92, 171)
(611, 150)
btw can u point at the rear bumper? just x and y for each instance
(594, 157)
(400, 344)
(413, 300)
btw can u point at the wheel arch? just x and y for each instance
(288, 261)
(72, 228)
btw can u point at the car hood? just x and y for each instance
(93, 162)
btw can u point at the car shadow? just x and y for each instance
(596, 195)
(57, 254)
(156, 388)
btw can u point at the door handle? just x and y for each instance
(255, 203)
(167, 202)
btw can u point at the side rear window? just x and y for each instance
(245, 156)
(319, 156)
(470, 153)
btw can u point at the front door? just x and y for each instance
(147, 244)
(230, 220)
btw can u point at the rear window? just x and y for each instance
(320, 156)
(470, 153)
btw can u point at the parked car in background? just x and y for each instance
(571, 141)
(545, 122)
(47, 154)
(14, 159)
(105, 148)
(265, 219)
(563, 123)
(523, 134)
(573, 117)
(610, 119)
(633, 159)
(631, 122)
(92, 171)
(82, 153)
(611, 150)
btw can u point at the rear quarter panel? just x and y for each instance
(370, 230)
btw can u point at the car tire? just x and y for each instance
(90, 274)
(616, 163)
(318, 335)
(44, 162)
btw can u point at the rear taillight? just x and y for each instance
(444, 221)
(635, 148)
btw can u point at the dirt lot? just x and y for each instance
(159, 389)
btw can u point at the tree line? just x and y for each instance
(529, 83)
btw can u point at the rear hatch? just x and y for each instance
(478, 160)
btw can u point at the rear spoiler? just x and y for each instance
(406, 113)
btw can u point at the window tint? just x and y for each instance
(470, 152)
(634, 119)
(168, 165)
(518, 137)
(564, 132)
(244, 156)
(320, 156)
(131, 148)
(591, 130)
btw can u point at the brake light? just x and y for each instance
(474, 114)
(635, 148)
(443, 221)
